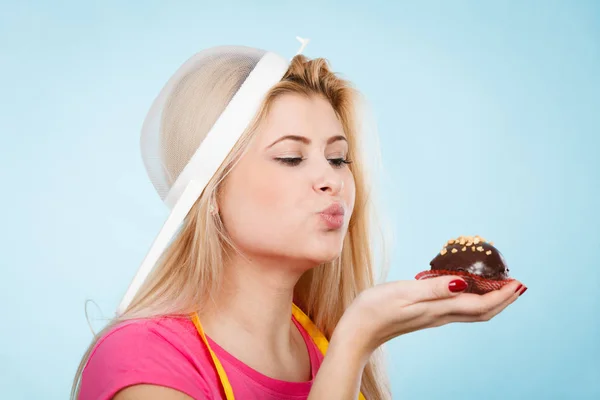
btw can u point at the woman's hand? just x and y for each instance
(392, 309)
(395, 308)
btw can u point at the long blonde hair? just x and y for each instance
(188, 275)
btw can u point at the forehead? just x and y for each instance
(313, 117)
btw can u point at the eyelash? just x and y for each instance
(293, 161)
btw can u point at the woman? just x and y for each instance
(278, 237)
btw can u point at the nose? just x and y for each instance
(329, 183)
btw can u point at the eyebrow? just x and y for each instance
(306, 140)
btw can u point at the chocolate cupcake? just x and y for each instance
(475, 260)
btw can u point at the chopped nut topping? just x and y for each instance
(467, 241)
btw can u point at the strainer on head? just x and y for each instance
(180, 171)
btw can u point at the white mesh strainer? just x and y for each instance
(192, 165)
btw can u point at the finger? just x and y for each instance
(446, 319)
(518, 291)
(479, 307)
(497, 310)
(438, 288)
(442, 312)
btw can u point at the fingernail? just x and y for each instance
(457, 285)
(518, 288)
(523, 291)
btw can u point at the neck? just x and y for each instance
(255, 304)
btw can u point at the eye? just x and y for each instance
(339, 162)
(292, 161)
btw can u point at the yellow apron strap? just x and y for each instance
(222, 375)
(314, 332)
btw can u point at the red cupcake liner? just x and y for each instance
(476, 284)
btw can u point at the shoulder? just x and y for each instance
(161, 351)
(144, 339)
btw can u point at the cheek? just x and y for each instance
(271, 192)
(258, 203)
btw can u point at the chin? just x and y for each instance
(324, 254)
(316, 249)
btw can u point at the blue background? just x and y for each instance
(489, 116)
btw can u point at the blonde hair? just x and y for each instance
(199, 248)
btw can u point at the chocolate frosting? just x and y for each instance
(474, 255)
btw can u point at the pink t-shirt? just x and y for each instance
(170, 352)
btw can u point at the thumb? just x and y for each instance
(440, 287)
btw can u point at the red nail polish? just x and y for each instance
(518, 288)
(457, 285)
(523, 291)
